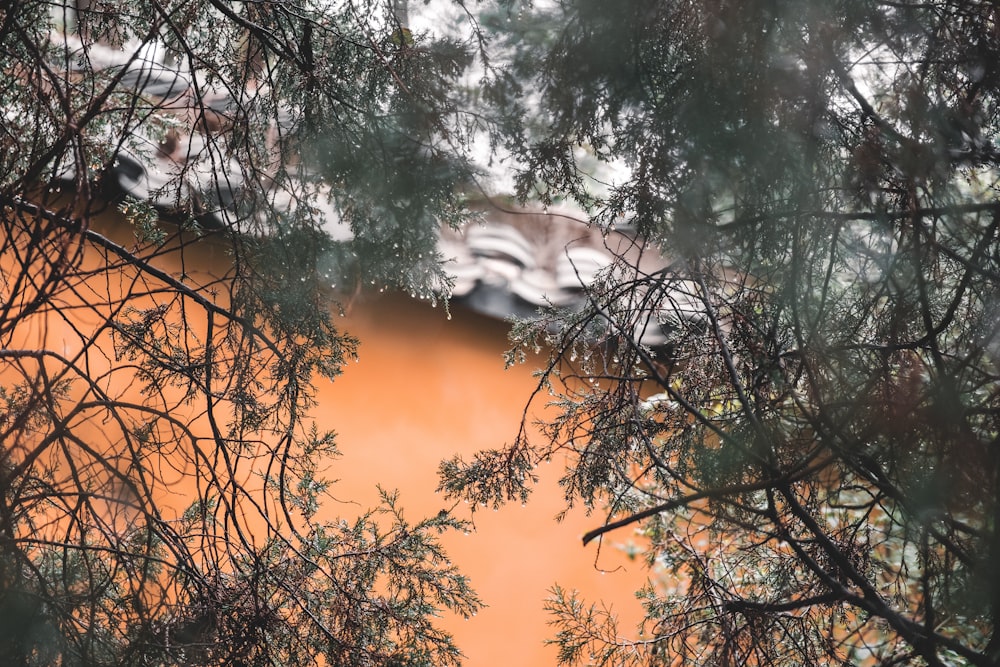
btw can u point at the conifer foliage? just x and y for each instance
(160, 486)
(796, 422)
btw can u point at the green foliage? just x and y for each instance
(145, 219)
(161, 493)
(809, 449)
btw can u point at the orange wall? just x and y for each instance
(426, 388)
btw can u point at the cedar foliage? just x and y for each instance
(807, 451)
(160, 484)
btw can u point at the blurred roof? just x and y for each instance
(519, 260)
(510, 264)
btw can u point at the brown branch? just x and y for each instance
(675, 503)
(781, 607)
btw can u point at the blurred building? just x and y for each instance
(429, 384)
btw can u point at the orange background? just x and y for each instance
(426, 388)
